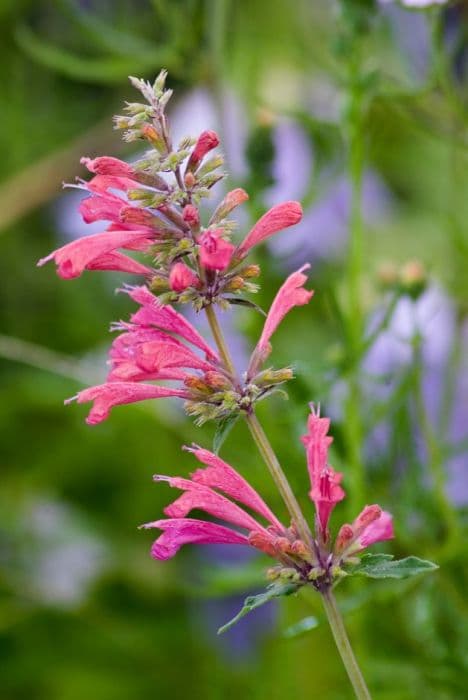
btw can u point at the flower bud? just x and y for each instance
(191, 216)
(231, 200)
(413, 278)
(154, 137)
(217, 381)
(273, 376)
(197, 385)
(181, 277)
(261, 541)
(367, 516)
(235, 283)
(250, 271)
(205, 143)
(190, 180)
(344, 538)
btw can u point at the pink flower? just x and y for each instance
(326, 491)
(221, 492)
(106, 396)
(101, 208)
(290, 294)
(106, 165)
(181, 277)
(205, 143)
(215, 252)
(199, 494)
(277, 218)
(91, 253)
(372, 525)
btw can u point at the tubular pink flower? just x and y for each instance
(107, 165)
(75, 257)
(120, 263)
(378, 530)
(290, 294)
(222, 476)
(102, 183)
(204, 498)
(101, 208)
(106, 396)
(181, 277)
(277, 218)
(205, 143)
(164, 317)
(326, 491)
(180, 531)
(215, 252)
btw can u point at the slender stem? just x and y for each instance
(344, 646)
(261, 439)
(219, 339)
(279, 477)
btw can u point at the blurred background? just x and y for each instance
(359, 110)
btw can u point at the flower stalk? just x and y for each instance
(344, 647)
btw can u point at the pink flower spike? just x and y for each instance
(180, 531)
(198, 496)
(181, 277)
(222, 476)
(215, 252)
(106, 165)
(377, 530)
(165, 317)
(205, 143)
(75, 257)
(290, 294)
(106, 396)
(277, 218)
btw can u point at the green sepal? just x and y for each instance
(275, 590)
(385, 566)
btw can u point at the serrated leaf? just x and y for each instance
(252, 602)
(223, 429)
(384, 566)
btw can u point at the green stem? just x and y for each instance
(344, 646)
(355, 320)
(261, 439)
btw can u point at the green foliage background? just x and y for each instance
(139, 628)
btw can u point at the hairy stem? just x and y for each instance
(261, 439)
(344, 646)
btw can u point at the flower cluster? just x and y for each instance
(215, 489)
(160, 344)
(152, 207)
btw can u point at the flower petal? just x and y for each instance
(180, 531)
(222, 476)
(277, 218)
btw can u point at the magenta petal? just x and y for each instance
(106, 396)
(222, 476)
(377, 531)
(72, 259)
(180, 531)
(277, 218)
(290, 294)
(204, 498)
(153, 313)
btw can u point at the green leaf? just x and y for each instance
(223, 429)
(246, 302)
(305, 625)
(275, 590)
(384, 566)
